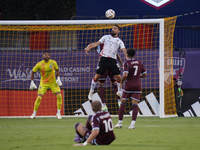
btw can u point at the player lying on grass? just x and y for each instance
(133, 71)
(47, 68)
(98, 129)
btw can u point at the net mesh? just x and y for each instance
(21, 47)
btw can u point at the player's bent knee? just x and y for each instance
(76, 126)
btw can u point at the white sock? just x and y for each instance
(58, 111)
(133, 122)
(93, 85)
(120, 121)
(119, 89)
(35, 112)
(104, 104)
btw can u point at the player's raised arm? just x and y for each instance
(92, 45)
(120, 60)
(125, 54)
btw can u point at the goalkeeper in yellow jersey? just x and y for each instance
(47, 68)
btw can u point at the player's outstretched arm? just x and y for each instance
(125, 54)
(58, 81)
(90, 46)
(120, 60)
(32, 86)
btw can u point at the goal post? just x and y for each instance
(22, 43)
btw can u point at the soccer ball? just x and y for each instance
(110, 14)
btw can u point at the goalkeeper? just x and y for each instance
(47, 68)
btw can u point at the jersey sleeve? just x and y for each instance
(36, 67)
(95, 123)
(122, 45)
(103, 39)
(143, 71)
(56, 65)
(126, 67)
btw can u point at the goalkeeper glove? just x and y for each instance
(33, 86)
(58, 81)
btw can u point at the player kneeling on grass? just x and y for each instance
(101, 126)
(47, 68)
(133, 71)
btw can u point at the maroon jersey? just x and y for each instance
(102, 121)
(134, 68)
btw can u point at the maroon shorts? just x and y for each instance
(127, 96)
(104, 76)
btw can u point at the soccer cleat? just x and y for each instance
(118, 126)
(105, 108)
(58, 116)
(119, 93)
(33, 116)
(132, 126)
(90, 95)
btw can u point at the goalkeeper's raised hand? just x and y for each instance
(33, 86)
(58, 81)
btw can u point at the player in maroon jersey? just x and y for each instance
(133, 71)
(101, 126)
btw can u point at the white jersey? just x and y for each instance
(111, 46)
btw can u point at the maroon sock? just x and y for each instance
(115, 90)
(121, 111)
(76, 125)
(134, 111)
(102, 94)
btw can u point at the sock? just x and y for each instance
(134, 111)
(37, 103)
(133, 122)
(115, 90)
(58, 111)
(93, 85)
(102, 93)
(59, 101)
(121, 111)
(103, 104)
(35, 112)
(76, 126)
(118, 87)
(120, 121)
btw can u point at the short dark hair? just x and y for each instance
(117, 26)
(46, 51)
(96, 106)
(131, 52)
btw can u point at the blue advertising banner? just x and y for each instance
(76, 69)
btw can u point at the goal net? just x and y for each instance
(22, 44)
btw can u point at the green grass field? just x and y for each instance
(151, 133)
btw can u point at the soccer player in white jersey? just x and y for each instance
(108, 57)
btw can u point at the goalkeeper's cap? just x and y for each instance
(46, 51)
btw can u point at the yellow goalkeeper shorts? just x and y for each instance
(44, 87)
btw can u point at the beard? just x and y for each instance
(46, 59)
(113, 34)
